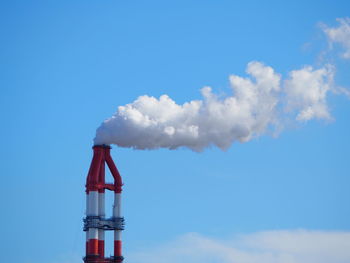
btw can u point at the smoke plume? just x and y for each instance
(259, 103)
(340, 35)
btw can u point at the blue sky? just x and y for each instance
(67, 66)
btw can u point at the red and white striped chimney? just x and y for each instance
(96, 223)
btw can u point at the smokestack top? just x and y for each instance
(102, 146)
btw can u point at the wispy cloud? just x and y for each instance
(292, 246)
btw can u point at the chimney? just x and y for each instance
(95, 222)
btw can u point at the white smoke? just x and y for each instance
(306, 90)
(259, 103)
(340, 35)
